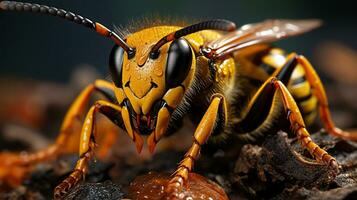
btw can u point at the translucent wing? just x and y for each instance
(251, 34)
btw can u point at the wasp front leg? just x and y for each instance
(86, 145)
(15, 166)
(215, 111)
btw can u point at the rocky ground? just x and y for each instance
(271, 170)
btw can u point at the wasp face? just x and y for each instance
(149, 89)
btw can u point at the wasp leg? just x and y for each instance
(319, 91)
(202, 133)
(272, 85)
(259, 108)
(63, 143)
(86, 146)
(262, 102)
(298, 126)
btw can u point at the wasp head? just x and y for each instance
(149, 88)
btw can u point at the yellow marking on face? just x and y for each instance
(174, 96)
(141, 72)
(140, 85)
(119, 94)
(143, 78)
(162, 122)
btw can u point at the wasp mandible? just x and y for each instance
(232, 79)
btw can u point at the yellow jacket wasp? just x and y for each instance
(230, 78)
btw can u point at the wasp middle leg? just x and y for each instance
(216, 111)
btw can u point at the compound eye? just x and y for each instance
(116, 65)
(178, 63)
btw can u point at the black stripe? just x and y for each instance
(259, 111)
(306, 113)
(302, 99)
(267, 68)
(108, 93)
(112, 115)
(287, 70)
(169, 108)
(258, 61)
(255, 82)
(299, 80)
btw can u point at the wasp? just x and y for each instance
(231, 81)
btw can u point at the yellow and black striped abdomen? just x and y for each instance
(267, 61)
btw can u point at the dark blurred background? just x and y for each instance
(46, 61)
(48, 48)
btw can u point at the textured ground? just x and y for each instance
(267, 171)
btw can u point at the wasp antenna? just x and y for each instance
(43, 9)
(216, 24)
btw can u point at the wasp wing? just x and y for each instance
(251, 34)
